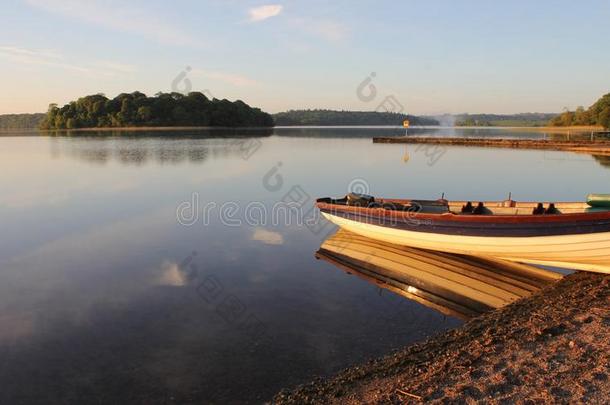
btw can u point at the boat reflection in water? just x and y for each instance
(455, 285)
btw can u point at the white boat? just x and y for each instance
(570, 235)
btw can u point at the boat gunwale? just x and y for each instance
(411, 215)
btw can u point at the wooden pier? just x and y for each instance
(599, 147)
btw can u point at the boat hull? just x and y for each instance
(580, 251)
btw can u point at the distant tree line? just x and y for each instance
(21, 121)
(333, 117)
(164, 109)
(597, 114)
(503, 120)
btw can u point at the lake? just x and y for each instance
(156, 267)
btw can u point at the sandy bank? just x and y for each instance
(552, 346)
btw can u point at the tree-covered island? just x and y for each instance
(164, 109)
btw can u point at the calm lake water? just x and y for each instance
(107, 296)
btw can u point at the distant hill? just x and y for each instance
(504, 120)
(334, 117)
(21, 121)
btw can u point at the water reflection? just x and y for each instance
(95, 301)
(603, 160)
(454, 285)
(375, 131)
(153, 150)
(165, 132)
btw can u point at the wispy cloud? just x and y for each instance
(230, 78)
(327, 29)
(330, 30)
(27, 53)
(54, 59)
(116, 66)
(263, 12)
(117, 16)
(38, 57)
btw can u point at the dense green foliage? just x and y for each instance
(505, 120)
(164, 109)
(597, 114)
(21, 121)
(332, 117)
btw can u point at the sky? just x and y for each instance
(418, 56)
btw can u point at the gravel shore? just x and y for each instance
(553, 346)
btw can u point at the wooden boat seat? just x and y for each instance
(430, 206)
(360, 200)
(551, 210)
(539, 210)
(467, 208)
(480, 209)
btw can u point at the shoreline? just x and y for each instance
(181, 128)
(584, 129)
(553, 346)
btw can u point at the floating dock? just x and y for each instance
(598, 147)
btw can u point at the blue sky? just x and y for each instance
(432, 56)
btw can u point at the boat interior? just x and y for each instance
(441, 206)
